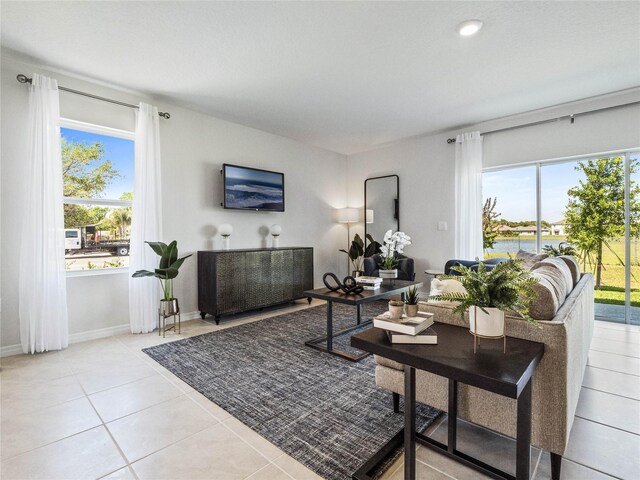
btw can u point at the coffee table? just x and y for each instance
(388, 288)
(490, 369)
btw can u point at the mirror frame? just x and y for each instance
(397, 202)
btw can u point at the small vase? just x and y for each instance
(388, 273)
(395, 312)
(411, 310)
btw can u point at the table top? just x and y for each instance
(503, 373)
(388, 287)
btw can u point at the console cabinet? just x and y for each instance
(233, 281)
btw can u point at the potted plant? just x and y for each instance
(411, 301)
(357, 252)
(393, 243)
(489, 293)
(396, 307)
(167, 270)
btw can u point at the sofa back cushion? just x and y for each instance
(574, 267)
(562, 267)
(550, 291)
(529, 259)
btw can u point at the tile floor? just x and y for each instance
(103, 409)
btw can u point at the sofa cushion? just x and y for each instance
(573, 265)
(529, 259)
(438, 287)
(388, 363)
(561, 265)
(550, 291)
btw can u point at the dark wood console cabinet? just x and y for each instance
(233, 281)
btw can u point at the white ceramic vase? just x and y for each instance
(388, 273)
(395, 312)
(489, 324)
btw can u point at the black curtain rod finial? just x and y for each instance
(23, 78)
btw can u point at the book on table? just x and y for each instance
(370, 287)
(404, 324)
(369, 280)
(426, 337)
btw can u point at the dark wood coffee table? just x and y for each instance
(507, 374)
(388, 288)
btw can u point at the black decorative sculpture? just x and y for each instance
(348, 285)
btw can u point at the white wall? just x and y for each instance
(194, 147)
(425, 164)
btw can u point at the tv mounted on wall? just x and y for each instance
(252, 189)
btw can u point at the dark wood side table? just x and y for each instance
(505, 374)
(388, 288)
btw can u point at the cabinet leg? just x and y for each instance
(556, 463)
(396, 402)
(217, 319)
(203, 314)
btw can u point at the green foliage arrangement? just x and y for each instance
(564, 248)
(357, 251)
(507, 287)
(412, 296)
(168, 268)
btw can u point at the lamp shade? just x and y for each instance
(276, 230)
(368, 215)
(225, 229)
(347, 215)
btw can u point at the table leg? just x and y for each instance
(359, 314)
(523, 434)
(453, 416)
(409, 423)
(329, 325)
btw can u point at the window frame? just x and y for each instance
(102, 202)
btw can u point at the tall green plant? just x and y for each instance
(507, 287)
(168, 268)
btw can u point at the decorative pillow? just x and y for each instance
(439, 287)
(573, 265)
(562, 267)
(529, 259)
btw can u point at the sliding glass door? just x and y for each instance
(589, 207)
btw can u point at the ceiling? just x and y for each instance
(345, 76)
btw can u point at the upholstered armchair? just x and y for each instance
(405, 266)
(489, 263)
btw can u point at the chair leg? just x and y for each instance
(556, 463)
(396, 402)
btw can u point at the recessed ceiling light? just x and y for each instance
(470, 27)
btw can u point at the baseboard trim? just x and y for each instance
(10, 350)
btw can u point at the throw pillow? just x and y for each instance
(529, 259)
(562, 268)
(573, 265)
(439, 287)
(546, 303)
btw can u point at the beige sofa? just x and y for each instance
(556, 383)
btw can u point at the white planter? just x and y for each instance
(486, 325)
(411, 310)
(396, 312)
(388, 273)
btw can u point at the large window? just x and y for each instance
(97, 168)
(590, 206)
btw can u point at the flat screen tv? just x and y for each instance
(252, 189)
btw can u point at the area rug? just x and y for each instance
(322, 410)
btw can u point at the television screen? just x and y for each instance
(253, 189)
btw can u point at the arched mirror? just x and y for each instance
(382, 205)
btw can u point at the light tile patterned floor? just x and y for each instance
(103, 409)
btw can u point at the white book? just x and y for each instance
(426, 337)
(406, 325)
(369, 280)
(370, 287)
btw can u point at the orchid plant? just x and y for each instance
(393, 243)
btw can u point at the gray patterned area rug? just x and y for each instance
(322, 410)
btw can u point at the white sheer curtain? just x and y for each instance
(42, 296)
(146, 224)
(468, 196)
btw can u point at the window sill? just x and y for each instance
(96, 271)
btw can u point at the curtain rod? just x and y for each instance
(556, 119)
(24, 79)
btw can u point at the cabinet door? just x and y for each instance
(231, 275)
(258, 279)
(302, 271)
(281, 276)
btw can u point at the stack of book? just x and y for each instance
(369, 283)
(416, 330)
